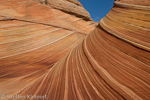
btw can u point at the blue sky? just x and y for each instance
(97, 8)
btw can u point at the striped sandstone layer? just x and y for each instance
(33, 38)
(112, 63)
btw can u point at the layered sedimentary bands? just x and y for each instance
(45, 50)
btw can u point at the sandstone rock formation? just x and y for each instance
(43, 52)
(33, 38)
(69, 6)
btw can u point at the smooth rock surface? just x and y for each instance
(33, 38)
(50, 54)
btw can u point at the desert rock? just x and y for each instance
(54, 54)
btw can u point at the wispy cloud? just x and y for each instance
(96, 18)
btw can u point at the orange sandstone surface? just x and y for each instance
(55, 51)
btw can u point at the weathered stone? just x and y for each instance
(46, 52)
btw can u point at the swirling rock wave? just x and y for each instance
(112, 62)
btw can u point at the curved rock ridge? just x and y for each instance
(136, 2)
(70, 6)
(33, 38)
(111, 63)
(34, 12)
